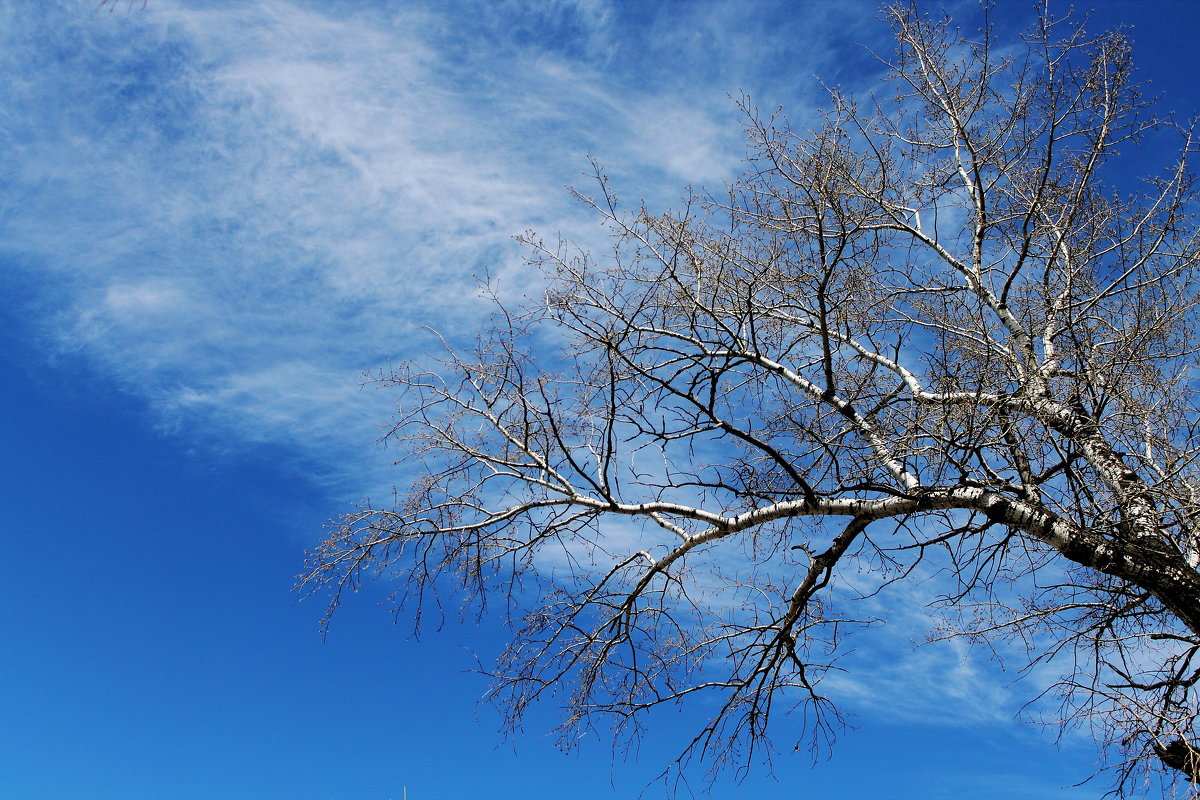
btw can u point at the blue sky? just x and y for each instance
(214, 217)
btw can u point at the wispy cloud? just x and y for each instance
(234, 210)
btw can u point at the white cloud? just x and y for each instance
(137, 301)
(226, 206)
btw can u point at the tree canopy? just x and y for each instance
(938, 332)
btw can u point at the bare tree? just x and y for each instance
(927, 334)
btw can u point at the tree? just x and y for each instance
(927, 335)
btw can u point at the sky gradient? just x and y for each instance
(215, 217)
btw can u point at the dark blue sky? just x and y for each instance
(214, 217)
